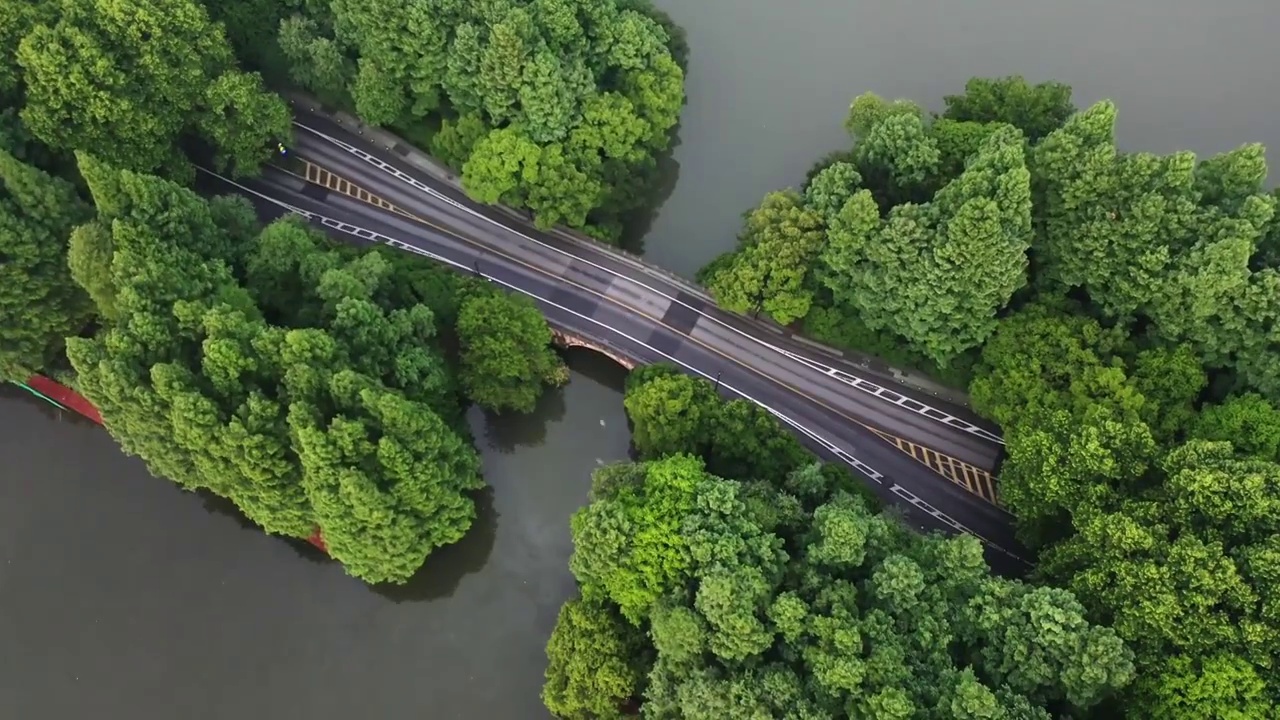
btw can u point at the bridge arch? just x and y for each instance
(566, 339)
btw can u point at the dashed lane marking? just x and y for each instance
(853, 381)
(366, 234)
(973, 479)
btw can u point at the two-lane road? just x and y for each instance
(587, 290)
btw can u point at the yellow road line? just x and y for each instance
(971, 478)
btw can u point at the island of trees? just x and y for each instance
(1117, 313)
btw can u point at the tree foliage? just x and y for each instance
(554, 106)
(1036, 110)
(1117, 314)
(791, 598)
(594, 663)
(936, 274)
(779, 241)
(125, 79)
(506, 352)
(1166, 539)
(1164, 239)
(39, 303)
(299, 395)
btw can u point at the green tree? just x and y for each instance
(976, 232)
(829, 190)
(780, 241)
(546, 96)
(1163, 239)
(673, 413)
(594, 662)
(957, 141)
(244, 122)
(457, 139)
(868, 110)
(506, 352)
(627, 542)
(500, 164)
(317, 63)
(1247, 421)
(387, 485)
(402, 57)
(89, 254)
(301, 397)
(38, 300)
(502, 63)
(1036, 110)
(899, 149)
(1042, 358)
(555, 107)
(121, 80)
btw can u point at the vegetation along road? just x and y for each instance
(375, 194)
(337, 321)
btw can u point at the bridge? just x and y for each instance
(932, 458)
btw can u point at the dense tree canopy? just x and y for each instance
(1163, 238)
(1163, 538)
(780, 241)
(312, 394)
(1117, 314)
(126, 79)
(558, 106)
(506, 352)
(937, 273)
(1036, 110)
(39, 304)
(791, 598)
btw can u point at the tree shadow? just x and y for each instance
(218, 505)
(661, 183)
(504, 432)
(444, 569)
(596, 367)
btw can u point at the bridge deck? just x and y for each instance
(972, 479)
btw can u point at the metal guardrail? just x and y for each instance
(969, 477)
(445, 174)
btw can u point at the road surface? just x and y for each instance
(835, 407)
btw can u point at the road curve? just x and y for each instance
(601, 298)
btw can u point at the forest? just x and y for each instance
(318, 387)
(562, 107)
(730, 574)
(1117, 313)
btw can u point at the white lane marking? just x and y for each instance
(852, 381)
(830, 447)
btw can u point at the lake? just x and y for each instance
(122, 597)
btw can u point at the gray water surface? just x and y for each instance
(769, 83)
(123, 598)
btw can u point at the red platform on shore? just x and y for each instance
(64, 396)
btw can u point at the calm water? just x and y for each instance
(122, 597)
(769, 83)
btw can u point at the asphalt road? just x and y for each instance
(587, 290)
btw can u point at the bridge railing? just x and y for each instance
(428, 164)
(444, 173)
